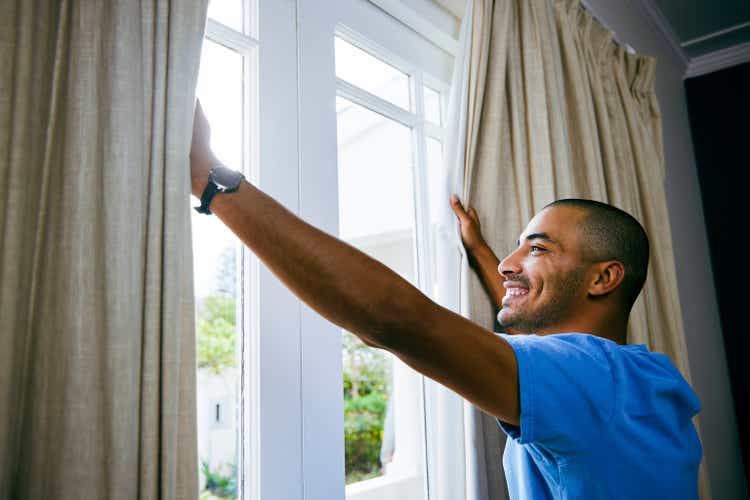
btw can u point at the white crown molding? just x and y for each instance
(715, 34)
(717, 60)
(656, 15)
(695, 66)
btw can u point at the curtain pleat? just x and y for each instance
(97, 369)
(558, 110)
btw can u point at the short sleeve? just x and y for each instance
(566, 390)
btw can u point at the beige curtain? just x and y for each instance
(558, 109)
(97, 364)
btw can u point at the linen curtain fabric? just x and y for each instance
(448, 426)
(555, 108)
(97, 365)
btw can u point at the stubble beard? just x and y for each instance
(546, 315)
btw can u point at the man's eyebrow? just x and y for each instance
(539, 236)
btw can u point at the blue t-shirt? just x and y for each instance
(600, 421)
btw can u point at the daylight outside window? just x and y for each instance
(381, 120)
(389, 123)
(227, 73)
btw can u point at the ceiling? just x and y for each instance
(703, 26)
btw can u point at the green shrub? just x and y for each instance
(216, 334)
(218, 484)
(366, 379)
(363, 432)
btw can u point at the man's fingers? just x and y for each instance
(473, 214)
(458, 208)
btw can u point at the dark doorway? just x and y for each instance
(719, 107)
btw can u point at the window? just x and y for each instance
(389, 156)
(286, 89)
(226, 87)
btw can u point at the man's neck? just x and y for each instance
(616, 335)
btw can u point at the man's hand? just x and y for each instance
(201, 156)
(471, 232)
(481, 256)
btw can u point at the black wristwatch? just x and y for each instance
(221, 179)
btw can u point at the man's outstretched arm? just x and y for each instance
(363, 296)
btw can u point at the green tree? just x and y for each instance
(366, 378)
(366, 369)
(217, 335)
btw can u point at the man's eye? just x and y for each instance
(535, 248)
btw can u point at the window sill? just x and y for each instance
(386, 487)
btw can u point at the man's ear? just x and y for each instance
(607, 277)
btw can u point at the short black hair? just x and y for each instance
(613, 234)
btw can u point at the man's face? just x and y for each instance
(544, 277)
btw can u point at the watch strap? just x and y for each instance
(206, 197)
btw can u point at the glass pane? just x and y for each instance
(216, 254)
(432, 105)
(220, 92)
(435, 175)
(371, 74)
(382, 422)
(227, 12)
(375, 178)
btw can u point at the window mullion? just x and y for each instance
(375, 103)
(279, 457)
(249, 432)
(422, 240)
(419, 172)
(434, 131)
(230, 38)
(353, 37)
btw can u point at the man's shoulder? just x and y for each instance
(578, 340)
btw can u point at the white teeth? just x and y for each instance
(514, 292)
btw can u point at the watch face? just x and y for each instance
(226, 177)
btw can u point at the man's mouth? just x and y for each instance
(514, 291)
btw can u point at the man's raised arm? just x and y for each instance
(362, 295)
(481, 257)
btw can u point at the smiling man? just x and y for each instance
(578, 267)
(588, 417)
(599, 418)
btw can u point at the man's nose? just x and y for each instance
(509, 265)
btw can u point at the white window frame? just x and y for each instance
(291, 423)
(416, 121)
(247, 300)
(320, 179)
(420, 130)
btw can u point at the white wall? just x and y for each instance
(217, 441)
(695, 279)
